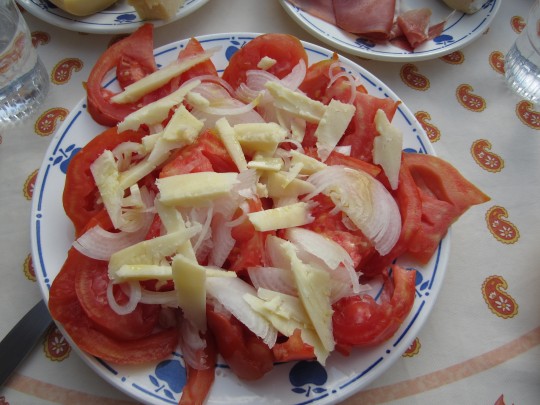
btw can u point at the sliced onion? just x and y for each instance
(99, 244)
(273, 278)
(167, 298)
(133, 292)
(193, 346)
(364, 200)
(222, 240)
(230, 293)
(294, 79)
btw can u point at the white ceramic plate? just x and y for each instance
(117, 19)
(460, 30)
(298, 382)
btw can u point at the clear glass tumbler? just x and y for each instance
(522, 61)
(24, 82)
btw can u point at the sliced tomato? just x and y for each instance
(194, 48)
(80, 191)
(188, 160)
(293, 349)
(317, 79)
(66, 309)
(244, 231)
(199, 382)
(361, 131)
(410, 207)
(91, 282)
(285, 49)
(134, 56)
(360, 321)
(245, 353)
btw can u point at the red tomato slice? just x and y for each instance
(199, 382)
(285, 49)
(194, 48)
(247, 355)
(293, 349)
(360, 321)
(66, 309)
(91, 282)
(80, 191)
(135, 56)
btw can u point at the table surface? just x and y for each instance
(481, 343)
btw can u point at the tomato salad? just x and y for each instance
(243, 215)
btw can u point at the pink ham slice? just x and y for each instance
(368, 18)
(322, 9)
(414, 25)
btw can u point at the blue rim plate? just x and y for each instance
(161, 383)
(460, 30)
(120, 18)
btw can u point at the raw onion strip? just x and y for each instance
(134, 294)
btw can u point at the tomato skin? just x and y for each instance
(91, 283)
(293, 349)
(245, 353)
(360, 321)
(137, 47)
(199, 382)
(80, 190)
(66, 309)
(285, 49)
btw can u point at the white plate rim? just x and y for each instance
(389, 352)
(92, 24)
(319, 29)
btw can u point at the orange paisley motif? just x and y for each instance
(28, 268)
(28, 189)
(454, 58)
(432, 131)
(496, 61)
(527, 114)
(497, 299)
(40, 38)
(502, 229)
(500, 401)
(413, 349)
(55, 345)
(61, 73)
(517, 23)
(468, 99)
(481, 152)
(46, 123)
(410, 76)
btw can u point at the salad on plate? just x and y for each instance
(247, 217)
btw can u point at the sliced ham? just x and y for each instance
(414, 24)
(368, 18)
(322, 9)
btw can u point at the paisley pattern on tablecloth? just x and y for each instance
(433, 133)
(40, 38)
(28, 268)
(62, 71)
(413, 349)
(467, 98)
(411, 76)
(496, 61)
(486, 159)
(48, 121)
(528, 114)
(454, 58)
(497, 299)
(55, 345)
(500, 227)
(3, 400)
(29, 184)
(517, 23)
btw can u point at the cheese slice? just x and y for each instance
(332, 126)
(156, 9)
(261, 138)
(296, 103)
(154, 113)
(263, 163)
(83, 7)
(297, 214)
(228, 137)
(195, 189)
(189, 283)
(280, 185)
(309, 165)
(387, 148)
(107, 178)
(155, 80)
(143, 272)
(183, 127)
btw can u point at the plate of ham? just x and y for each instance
(394, 30)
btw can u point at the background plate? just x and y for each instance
(299, 382)
(460, 30)
(117, 19)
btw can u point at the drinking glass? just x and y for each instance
(24, 82)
